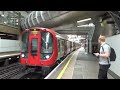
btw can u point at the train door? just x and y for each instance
(61, 48)
(73, 46)
(34, 57)
(58, 42)
(70, 46)
(65, 47)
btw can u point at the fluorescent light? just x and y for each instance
(87, 25)
(5, 22)
(2, 34)
(84, 20)
(2, 15)
(91, 24)
(83, 25)
(16, 23)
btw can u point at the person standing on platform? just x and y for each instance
(104, 58)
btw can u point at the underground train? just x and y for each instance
(43, 47)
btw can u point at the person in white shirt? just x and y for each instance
(104, 60)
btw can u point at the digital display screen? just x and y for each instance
(35, 31)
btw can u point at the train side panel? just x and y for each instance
(65, 47)
(68, 47)
(58, 46)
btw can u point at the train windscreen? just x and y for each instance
(25, 40)
(46, 45)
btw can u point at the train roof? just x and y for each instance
(57, 34)
(36, 28)
(61, 36)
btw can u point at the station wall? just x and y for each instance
(9, 29)
(9, 45)
(114, 41)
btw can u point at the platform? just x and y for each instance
(82, 66)
(77, 65)
(9, 54)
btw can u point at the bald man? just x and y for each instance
(104, 60)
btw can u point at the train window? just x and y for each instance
(25, 40)
(63, 44)
(46, 44)
(58, 45)
(34, 46)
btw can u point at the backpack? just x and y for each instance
(112, 54)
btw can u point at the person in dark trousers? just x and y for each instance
(104, 60)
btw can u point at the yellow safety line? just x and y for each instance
(62, 72)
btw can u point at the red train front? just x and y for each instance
(39, 47)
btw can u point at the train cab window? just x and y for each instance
(46, 45)
(34, 46)
(25, 40)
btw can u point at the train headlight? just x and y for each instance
(47, 56)
(23, 55)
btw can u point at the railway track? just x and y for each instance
(18, 71)
(11, 70)
(32, 75)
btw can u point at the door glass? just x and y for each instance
(34, 46)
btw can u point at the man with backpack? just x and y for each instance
(104, 58)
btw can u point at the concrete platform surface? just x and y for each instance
(83, 66)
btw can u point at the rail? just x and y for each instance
(10, 71)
